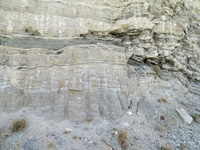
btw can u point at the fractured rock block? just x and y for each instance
(168, 28)
(184, 115)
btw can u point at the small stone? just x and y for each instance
(129, 113)
(116, 133)
(85, 141)
(144, 67)
(67, 130)
(139, 114)
(184, 115)
(89, 143)
(157, 70)
(162, 118)
(163, 18)
(125, 124)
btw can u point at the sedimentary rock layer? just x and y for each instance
(74, 59)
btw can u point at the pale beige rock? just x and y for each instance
(83, 78)
(134, 23)
(184, 115)
(58, 57)
(168, 28)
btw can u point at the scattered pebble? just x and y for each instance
(126, 124)
(129, 113)
(162, 118)
(67, 130)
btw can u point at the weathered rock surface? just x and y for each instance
(74, 82)
(69, 67)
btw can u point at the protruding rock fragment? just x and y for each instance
(126, 124)
(67, 130)
(184, 115)
(157, 69)
(129, 113)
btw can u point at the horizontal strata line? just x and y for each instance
(69, 42)
(24, 12)
(72, 64)
(75, 4)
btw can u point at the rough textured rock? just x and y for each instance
(185, 116)
(82, 59)
(74, 82)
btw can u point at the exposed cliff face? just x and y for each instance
(77, 59)
(89, 62)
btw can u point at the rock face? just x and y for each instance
(73, 82)
(82, 59)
